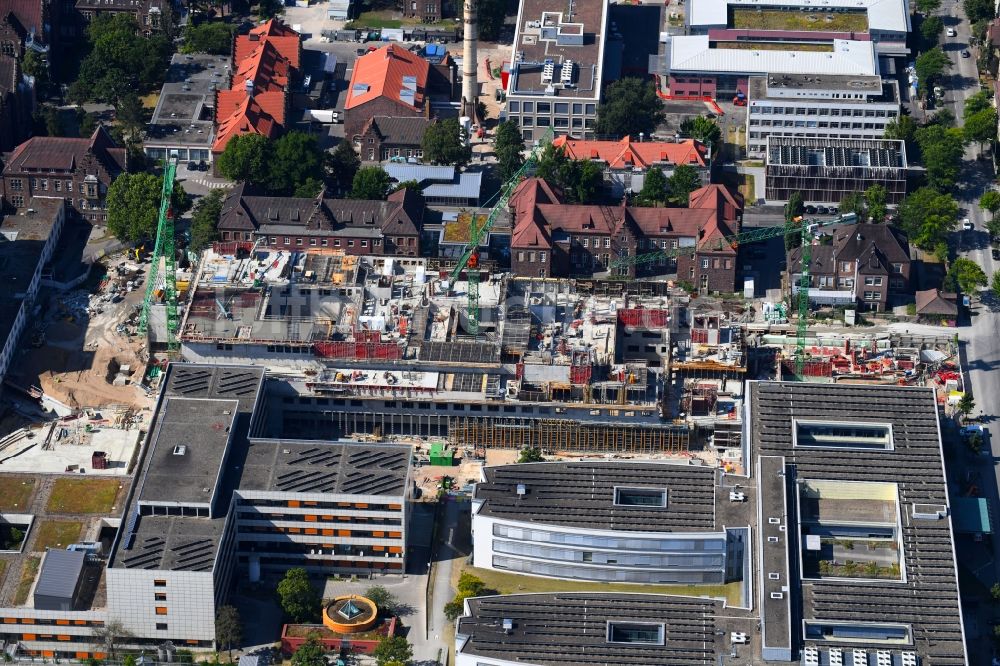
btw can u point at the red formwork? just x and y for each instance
(231, 247)
(580, 374)
(817, 368)
(641, 317)
(358, 350)
(699, 336)
(362, 335)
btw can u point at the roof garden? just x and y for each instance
(774, 46)
(798, 20)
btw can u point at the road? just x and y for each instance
(981, 344)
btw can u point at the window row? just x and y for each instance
(515, 106)
(822, 111)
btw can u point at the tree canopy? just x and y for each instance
(444, 143)
(228, 628)
(245, 159)
(931, 29)
(310, 653)
(930, 66)
(133, 202)
(926, 7)
(990, 201)
(902, 128)
(581, 181)
(979, 10)
(120, 60)
(654, 188)
(468, 586)
(385, 601)
(341, 165)
(205, 220)
(981, 127)
(682, 182)
(392, 649)
(294, 159)
(508, 146)
(927, 216)
(298, 597)
(942, 149)
(531, 454)
(975, 103)
(875, 203)
(966, 274)
(370, 182)
(209, 37)
(630, 107)
(793, 209)
(491, 14)
(703, 129)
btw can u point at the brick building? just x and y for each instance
(77, 170)
(867, 264)
(553, 239)
(151, 15)
(428, 11)
(384, 138)
(321, 224)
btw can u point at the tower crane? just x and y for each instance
(808, 229)
(470, 255)
(164, 249)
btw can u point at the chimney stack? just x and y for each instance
(470, 86)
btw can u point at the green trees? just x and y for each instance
(702, 129)
(310, 653)
(383, 598)
(927, 216)
(267, 9)
(531, 454)
(298, 598)
(341, 165)
(930, 66)
(966, 275)
(793, 209)
(995, 284)
(392, 650)
(875, 203)
(966, 403)
(120, 61)
(245, 159)
(508, 147)
(682, 182)
(926, 7)
(491, 16)
(854, 202)
(979, 10)
(990, 201)
(580, 180)
(981, 127)
(468, 586)
(630, 107)
(205, 219)
(942, 149)
(210, 37)
(110, 636)
(654, 188)
(902, 128)
(228, 628)
(370, 182)
(36, 65)
(444, 143)
(133, 203)
(931, 29)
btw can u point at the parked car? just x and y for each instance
(192, 166)
(951, 32)
(967, 224)
(966, 54)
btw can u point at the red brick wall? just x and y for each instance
(291, 643)
(355, 119)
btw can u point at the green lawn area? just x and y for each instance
(57, 534)
(458, 231)
(772, 46)
(28, 574)
(380, 19)
(15, 491)
(83, 495)
(508, 583)
(776, 19)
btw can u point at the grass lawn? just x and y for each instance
(509, 583)
(149, 101)
(380, 19)
(57, 534)
(458, 231)
(776, 19)
(83, 495)
(769, 46)
(742, 182)
(15, 491)
(28, 574)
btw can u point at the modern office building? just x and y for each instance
(808, 106)
(557, 68)
(608, 521)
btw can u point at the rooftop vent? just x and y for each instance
(508, 625)
(180, 450)
(522, 490)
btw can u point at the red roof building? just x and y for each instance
(392, 82)
(625, 162)
(265, 61)
(553, 239)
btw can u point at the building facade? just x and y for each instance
(825, 171)
(351, 226)
(553, 239)
(807, 106)
(78, 171)
(151, 15)
(17, 103)
(385, 138)
(866, 264)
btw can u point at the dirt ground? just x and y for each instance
(80, 341)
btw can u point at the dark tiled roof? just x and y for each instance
(46, 153)
(28, 13)
(401, 214)
(399, 131)
(877, 246)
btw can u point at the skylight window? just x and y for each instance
(653, 498)
(636, 633)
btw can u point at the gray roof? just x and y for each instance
(289, 466)
(927, 600)
(438, 181)
(60, 573)
(582, 495)
(571, 629)
(400, 131)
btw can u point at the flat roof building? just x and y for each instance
(557, 68)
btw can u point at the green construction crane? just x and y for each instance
(477, 232)
(164, 249)
(807, 227)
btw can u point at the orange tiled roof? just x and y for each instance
(249, 116)
(381, 73)
(626, 153)
(265, 66)
(274, 32)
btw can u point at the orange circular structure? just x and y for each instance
(350, 614)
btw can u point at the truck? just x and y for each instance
(324, 115)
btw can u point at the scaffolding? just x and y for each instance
(566, 435)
